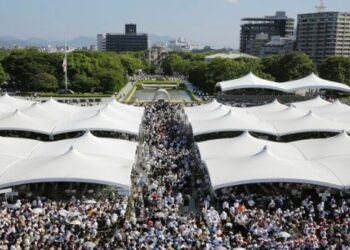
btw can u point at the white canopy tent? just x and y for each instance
(243, 146)
(213, 105)
(247, 160)
(312, 149)
(21, 122)
(98, 122)
(84, 159)
(52, 117)
(315, 102)
(15, 103)
(249, 81)
(306, 124)
(232, 121)
(267, 108)
(72, 166)
(311, 82)
(314, 82)
(87, 144)
(331, 108)
(17, 147)
(289, 113)
(266, 167)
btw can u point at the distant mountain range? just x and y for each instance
(78, 42)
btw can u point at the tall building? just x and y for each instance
(130, 41)
(324, 34)
(101, 42)
(277, 25)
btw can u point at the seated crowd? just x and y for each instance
(172, 207)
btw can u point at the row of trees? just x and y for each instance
(279, 68)
(31, 70)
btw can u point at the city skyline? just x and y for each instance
(212, 22)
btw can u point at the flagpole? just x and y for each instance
(65, 71)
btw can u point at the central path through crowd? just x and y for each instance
(164, 193)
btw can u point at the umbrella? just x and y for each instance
(89, 245)
(283, 235)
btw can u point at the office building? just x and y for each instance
(130, 41)
(277, 25)
(324, 34)
(278, 45)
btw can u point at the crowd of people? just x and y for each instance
(171, 206)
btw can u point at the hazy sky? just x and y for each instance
(206, 21)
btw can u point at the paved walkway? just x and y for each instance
(125, 91)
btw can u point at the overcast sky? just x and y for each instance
(214, 22)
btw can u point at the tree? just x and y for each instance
(336, 68)
(174, 63)
(83, 83)
(43, 82)
(3, 75)
(288, 67)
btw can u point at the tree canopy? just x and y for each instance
(87, 71)
(336, 68)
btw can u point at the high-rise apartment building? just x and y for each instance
(101, 42)
(130, 41)
(277, 25)
(324, 34)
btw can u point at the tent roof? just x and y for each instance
(314, 82)
(270, 107)
(14, 102)
(18, 121)
(44, 112)
(307, 123)
(267, 166)
(232, 121)
(331, 108)
(17, 147)
(202, 108)
(338, 145)
(340, 166)
(98, 121)
(71, 166)
(249, 81)
(87, 144)
(83, 159)
(316, 102)
(288, 113)
(243, 146)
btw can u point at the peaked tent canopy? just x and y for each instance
(314, 82)
(270, 107)
(230, 122)
(243, 146)
(71, 166)
(266, 167)
(14, 102)
(305, 124)
(249, 81)
(87, 144)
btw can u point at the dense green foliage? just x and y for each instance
(43, 82)
(3, 75)
(336, 68)
(205, 75)
(288, 67)
(31, 70)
